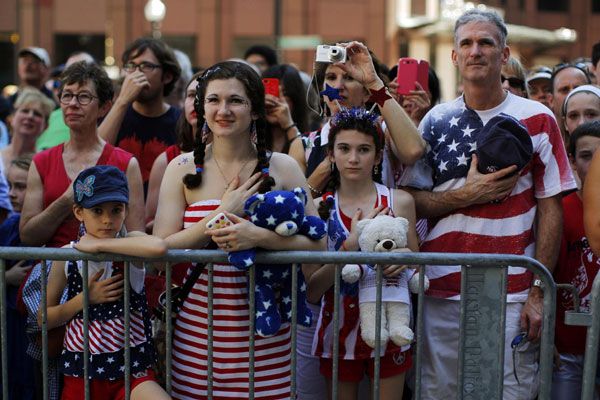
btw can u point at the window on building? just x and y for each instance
(8, 70)
(241, 44)
(65, 44)
(553, 5)
(186, 44)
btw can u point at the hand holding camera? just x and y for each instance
(354, 59)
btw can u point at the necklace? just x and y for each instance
(223, 174)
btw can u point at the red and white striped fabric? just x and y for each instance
(230, 338)
(106, 336)
(505, 227)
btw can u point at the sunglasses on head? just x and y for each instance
(515, 83)
(580, 66)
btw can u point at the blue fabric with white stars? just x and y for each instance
(281, 209)
(109, 366)
(451, 131)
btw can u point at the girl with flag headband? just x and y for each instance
(354, 192)
(220, 177)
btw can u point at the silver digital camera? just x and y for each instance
(330, 54)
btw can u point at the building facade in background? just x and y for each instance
(213, 30)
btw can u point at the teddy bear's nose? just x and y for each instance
(388, 244)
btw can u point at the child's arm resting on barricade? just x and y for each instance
(103, 291)
(137, 244)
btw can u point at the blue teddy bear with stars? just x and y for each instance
(281, 211)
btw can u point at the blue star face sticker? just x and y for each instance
(331, 93)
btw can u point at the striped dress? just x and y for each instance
(230, 337)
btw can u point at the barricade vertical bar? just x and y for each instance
(126, 308)
(419, 329)
(481, 338)
(168, 326)
(294, 327)
(591, 344)
(3, 305)
(252, 312)
(86, 330)
(44, 307)
(461, 337)
(336, 330)
(209, 312)
(547, 345)
(377, 365)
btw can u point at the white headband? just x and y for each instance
(583, 88)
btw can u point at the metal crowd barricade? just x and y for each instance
(590, 319)
(482, 305)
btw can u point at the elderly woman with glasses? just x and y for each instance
(513, 77)
(85, 96)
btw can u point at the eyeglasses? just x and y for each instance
(518, 342)
(83, 98)
(143, 67)
(580, 66)
(515, 83)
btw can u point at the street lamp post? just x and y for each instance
(155, 11)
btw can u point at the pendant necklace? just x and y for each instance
(221, 171)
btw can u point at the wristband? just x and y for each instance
(379, 96)
(312, 189)
(289, 127)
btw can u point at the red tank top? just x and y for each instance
(51, 168)
(172, 152)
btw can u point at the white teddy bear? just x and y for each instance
(384, 233)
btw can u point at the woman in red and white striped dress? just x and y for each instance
(197, 186)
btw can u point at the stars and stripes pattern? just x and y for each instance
(505, 227)
(230, 340)
(452, 141)
(107, 330)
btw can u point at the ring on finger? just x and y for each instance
(227, 245)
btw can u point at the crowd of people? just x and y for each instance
(144, 169)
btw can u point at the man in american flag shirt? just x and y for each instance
(470, 212)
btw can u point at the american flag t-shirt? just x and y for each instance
(450, 131)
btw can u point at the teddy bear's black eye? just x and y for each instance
(378, 240)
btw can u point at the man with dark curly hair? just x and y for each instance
(140, 121)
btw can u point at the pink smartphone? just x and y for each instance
(219, 221)
(411, 70)
(271, 86)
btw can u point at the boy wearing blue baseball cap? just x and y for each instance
(101, 199)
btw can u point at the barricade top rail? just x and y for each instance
(271, 257)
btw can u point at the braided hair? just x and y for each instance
(362, 121)
(256, 93)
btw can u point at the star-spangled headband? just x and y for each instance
(208, 72)
(201, 79)
(354, 113)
